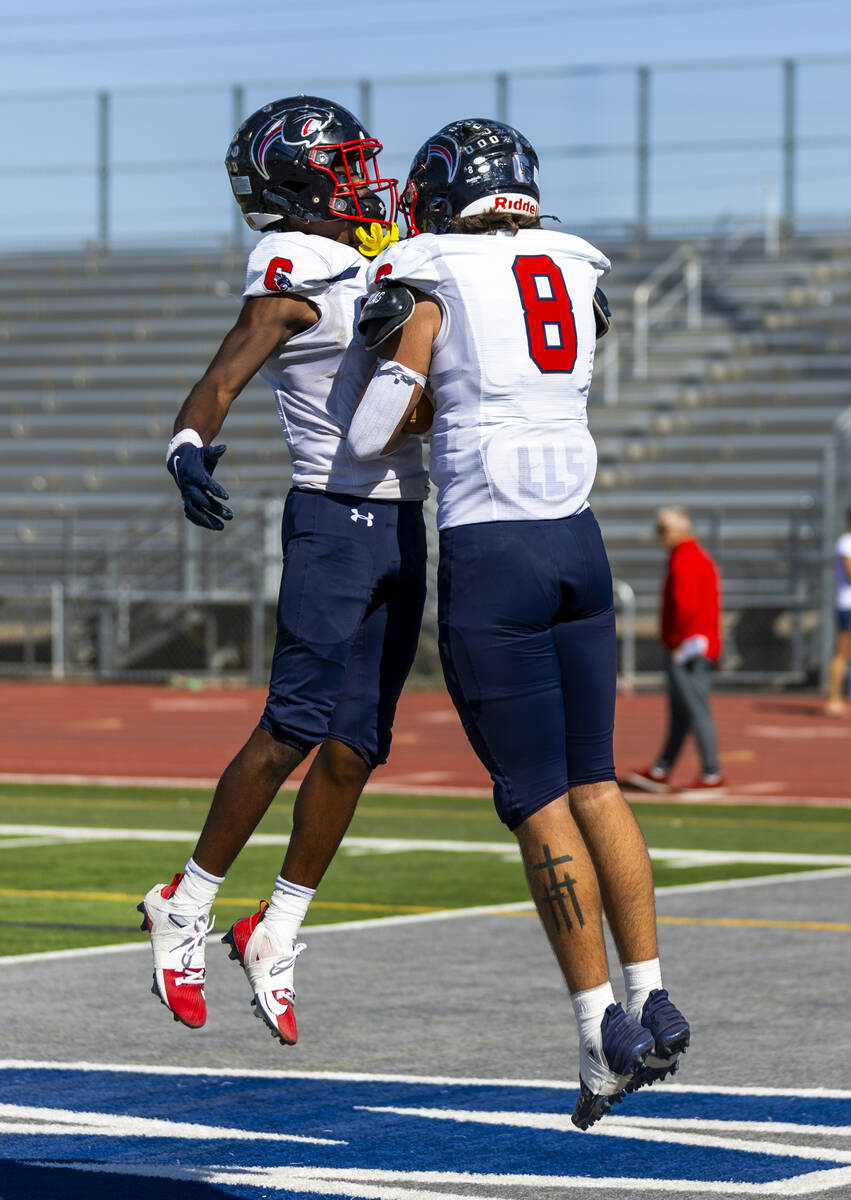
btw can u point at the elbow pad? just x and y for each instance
(384, 312)
(382, 408)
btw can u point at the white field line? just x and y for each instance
(69, 1120)
(660, 1132)
(379, 845)
(561, 1085)
(408, 1185)
(379, 924)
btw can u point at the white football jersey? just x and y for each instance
(318, 375)
(510, 371)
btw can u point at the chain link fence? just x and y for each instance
(178, 603)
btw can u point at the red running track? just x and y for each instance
(773, 748)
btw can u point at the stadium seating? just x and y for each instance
(98, 351)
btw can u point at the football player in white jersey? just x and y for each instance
(499, 318)
(305, 173)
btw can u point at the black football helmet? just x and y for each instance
(307, 158)
(469, 167)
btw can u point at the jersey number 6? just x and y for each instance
(547, 311)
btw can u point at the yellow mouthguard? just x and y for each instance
(377, 239)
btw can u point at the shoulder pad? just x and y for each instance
(602, 313)
(384, 312)
(299, 263)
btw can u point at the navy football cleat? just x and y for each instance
(623, 1048)
(671, 1036)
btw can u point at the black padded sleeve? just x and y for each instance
(384, 312)
(602, 313)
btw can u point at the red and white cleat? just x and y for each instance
(269, 965)
(177, 940)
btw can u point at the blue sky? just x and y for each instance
(53, 43)
(167, 144)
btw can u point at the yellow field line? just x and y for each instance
(345, 906)
(755, 923)
(736, 923)
(240, 901)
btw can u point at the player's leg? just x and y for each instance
(247, 787)
(381, 652)
(563, 884)
(322, 599)
(497, 601)
(323, 809)
(586, 641)
(618, 851)
(177, 915)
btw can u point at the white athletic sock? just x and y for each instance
(589, 1007)
(287, 909)
(641, 979)
(197, 889)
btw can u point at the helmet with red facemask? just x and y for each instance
(307, 159)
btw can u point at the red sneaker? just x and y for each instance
(648, 779)
(177, 940)
(268, 964)
(705, 783)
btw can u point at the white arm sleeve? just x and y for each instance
(382, 407)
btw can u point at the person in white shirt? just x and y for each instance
(304, 173)
(492, 322)
(835, 705)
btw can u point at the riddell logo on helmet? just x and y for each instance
(507, 204)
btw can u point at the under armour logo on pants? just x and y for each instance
(368, 517)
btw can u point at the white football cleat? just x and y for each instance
(269, 965)
(177, 938)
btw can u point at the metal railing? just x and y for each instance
(677, 280)
(625, 596)
(666, 143)
(205, 618)
(740, 222)
(50, 645)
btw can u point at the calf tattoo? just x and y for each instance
(558, 890)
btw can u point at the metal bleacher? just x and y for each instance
(97, 352)
(732, 423)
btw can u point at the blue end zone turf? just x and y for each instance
(106, 1134)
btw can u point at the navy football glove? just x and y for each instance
(192, 468)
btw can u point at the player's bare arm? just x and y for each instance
(395, 389)
(264, 324)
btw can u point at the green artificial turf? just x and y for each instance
(64, 894)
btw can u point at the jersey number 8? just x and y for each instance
(547, 312)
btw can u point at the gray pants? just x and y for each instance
(688, 700)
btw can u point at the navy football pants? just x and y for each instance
(349, 613)
(528, 646)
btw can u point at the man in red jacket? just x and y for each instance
(691, 614)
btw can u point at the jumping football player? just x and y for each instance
(304, 172)
(501, 318)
